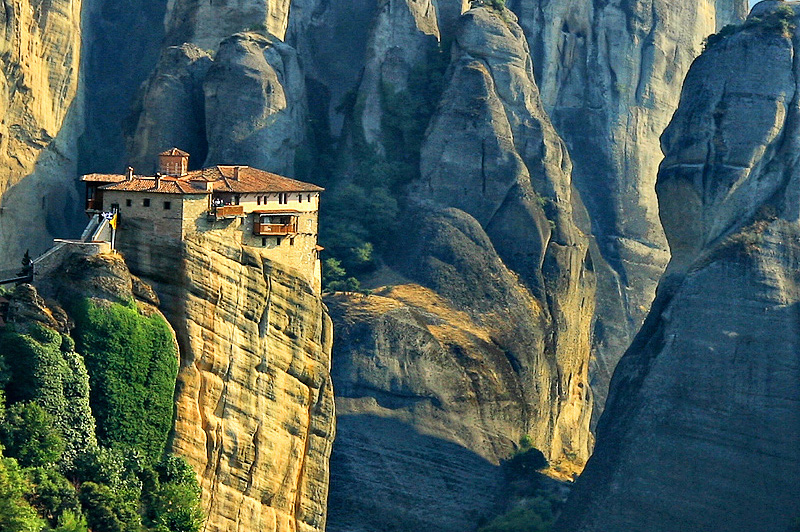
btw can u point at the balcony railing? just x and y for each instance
(227, 211)
(273, 229)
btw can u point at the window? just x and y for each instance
(146, 202)
(300, 198)
(291, 241)
(236, 199)
(128, 202)
(278, 240)
(167, 205)
(258, 200)
(264, 241)
(309, 198)
(283, 198)
(114, 207)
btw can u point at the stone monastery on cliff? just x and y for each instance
(252, 207)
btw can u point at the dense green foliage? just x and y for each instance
(44, 368)
(53, 474)
(132, 362)
(781, 21)
(535, 516)
(16, 513)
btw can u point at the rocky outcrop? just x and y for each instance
(186, 103)
(492, 153)
(404, 36)
(40, 49)
(323, 33)
(261, 74)
(702, 422)
(481, 333)
(206, 24)
(610, 75)
(171, 109)
(254, 401)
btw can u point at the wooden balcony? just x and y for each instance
(260, 229)
(225, 212)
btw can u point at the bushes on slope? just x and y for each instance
(132, 363)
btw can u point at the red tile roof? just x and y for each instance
(250, 180)
(103, 178)
(167, 185)
(174, 151)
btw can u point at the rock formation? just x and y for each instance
(482, 334)
(404, 36)
(702, 423)
(207, 24)
(610, 75)
(171, 109)
(261, 74)
(40, 48)
(187, 103)
(254, 401)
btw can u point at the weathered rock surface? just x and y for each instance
(404, 36)
(610, 75)
(323, 33)
(254, 401)
(701, 428)
(171, 109)
(40, 48)
(122, 41)
(187, 103)
(492, 153)
(261, 74)
(487, 338)
(206, 24)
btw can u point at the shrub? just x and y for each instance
(16, 514)
(45, 369)
(28, 435)
(132, 363)
(525, 463)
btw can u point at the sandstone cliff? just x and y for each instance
(254, 401)
(404, 36)
(610, 75)
(40, 48)
(702, 423)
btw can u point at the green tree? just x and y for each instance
(52, 495)
(29, 436)
(71, 522)
(16, 514)
(45, 369)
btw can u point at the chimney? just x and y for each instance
(158, 179)
(129, 173)
(236, 173)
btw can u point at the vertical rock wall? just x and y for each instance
(254, 400)
(610, 74)
(702, 423)
(40, 47)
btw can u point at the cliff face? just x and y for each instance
(702, 423)
(40, 47)
(610, 74)
(481, 333)
(186, 102)
(207, 24)
(254, 401)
